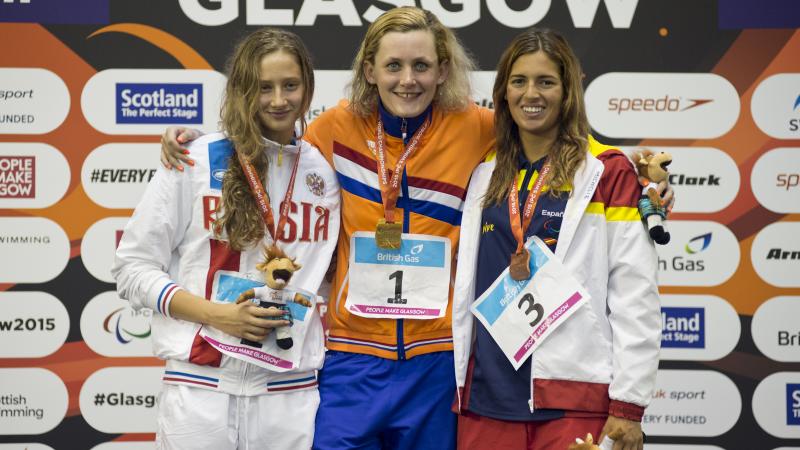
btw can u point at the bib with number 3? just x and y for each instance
(412, 282)
(519, 315)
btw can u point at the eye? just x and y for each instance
(421, 66)
(292, 86)
(548, 82)
(393, 66)
(517, 82)
(266, 88)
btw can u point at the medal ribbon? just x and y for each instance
(390, 188)
(520, 224)
(262, 198)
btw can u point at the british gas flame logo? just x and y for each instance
(698, 244)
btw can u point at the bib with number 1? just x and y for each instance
(520, 315)
(412, 282)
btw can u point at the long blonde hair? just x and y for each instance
(569, 149)
(452, 95)
(238, 213)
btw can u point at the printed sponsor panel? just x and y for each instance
(692, 403)
(32, 101)
(111, 327)
(662, 105)
(116, 175)
(776, 106)
(776, 330)
(125, 446)
(122, 399)
(706, 179)
(776, 254)
(776, 404)
(700, 253)
(697, 327)
(99, 245)
(32, 175)
(32, 324)
(144, 101)
(32, 401)
(329, 88)
(775, 180)
(34, 249)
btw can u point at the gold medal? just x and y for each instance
(387, 235)
(520, 269)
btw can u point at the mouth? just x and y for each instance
(408, 95)
(664, 165)
(532, 110)
(279, 114)
(282, 275)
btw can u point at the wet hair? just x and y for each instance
(238, 215)
(452, 95)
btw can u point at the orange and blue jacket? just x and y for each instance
(431, 202)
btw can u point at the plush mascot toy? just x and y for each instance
(652, 169)
(278, 270)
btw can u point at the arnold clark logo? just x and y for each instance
(776, 106)
(705, 179)
(700, 253)
(662, 105)
(143, 101)
(775, 254)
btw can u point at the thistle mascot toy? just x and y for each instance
(278, 270)
(652, 168)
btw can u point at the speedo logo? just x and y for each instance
(662, 104)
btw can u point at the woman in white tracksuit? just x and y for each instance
(596, 371)
(192, 246)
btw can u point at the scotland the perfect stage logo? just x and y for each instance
(159, 103)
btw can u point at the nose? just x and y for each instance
(407, 77)
(531, 91)
(278, 98)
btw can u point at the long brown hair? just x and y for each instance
(569, 149)
(452, 95)
(238, 213)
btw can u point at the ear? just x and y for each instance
(297, 266)
(444, 71)
(369, 72)
(261, 267)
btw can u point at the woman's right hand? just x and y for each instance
(245, 319)
(173, 151)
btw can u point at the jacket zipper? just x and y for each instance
(401, 351)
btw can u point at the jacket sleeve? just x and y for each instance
(148, 246)
(633, 302)
(464, 284)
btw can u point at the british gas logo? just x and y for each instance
(662, 105)
(692, 259)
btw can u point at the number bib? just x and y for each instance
(412, 282)
(226, 289)
(519, 315)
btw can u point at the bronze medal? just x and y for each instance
(388, 235)
(519, 268)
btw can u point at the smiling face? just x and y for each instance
(406, 72)
(534, 93)
(280, 95)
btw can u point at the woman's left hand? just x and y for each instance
(627, 434)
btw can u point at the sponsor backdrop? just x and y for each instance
(86, 87)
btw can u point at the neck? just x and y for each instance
(536, 147)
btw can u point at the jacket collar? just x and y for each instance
(272, 146)
(392, 125)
